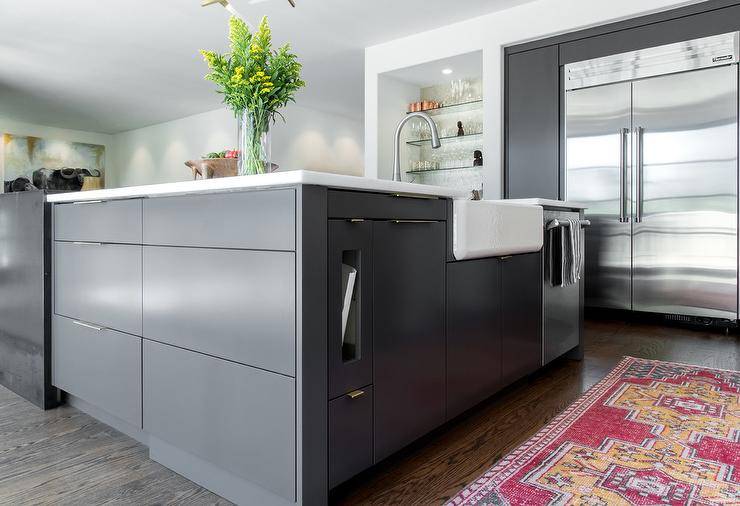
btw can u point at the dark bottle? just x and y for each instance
(477, 158)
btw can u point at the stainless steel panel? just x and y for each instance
(235, 304)
(712, 51)
(99, 283)
(596, 169)
(262, 219)
(241, 419)
(685, 246)
(98, 365)
(117, 221)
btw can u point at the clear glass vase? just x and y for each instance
(254, 142)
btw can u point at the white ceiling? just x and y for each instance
(115, 65)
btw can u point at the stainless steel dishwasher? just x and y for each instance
(561, 306)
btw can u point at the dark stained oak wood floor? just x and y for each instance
(65, 457)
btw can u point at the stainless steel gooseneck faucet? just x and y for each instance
(397, 140)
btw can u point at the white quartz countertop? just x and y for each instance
(274, 180)
(550, 203)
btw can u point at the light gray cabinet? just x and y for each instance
(116, 221)
(98, 365)
(247, 220)
(99, 283)
(234, 304)
(236, 417)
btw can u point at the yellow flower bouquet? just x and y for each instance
(256, 81)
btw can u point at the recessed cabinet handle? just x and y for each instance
(88, 325)
(355, 394)
(87, 243)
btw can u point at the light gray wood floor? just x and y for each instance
(63, 456)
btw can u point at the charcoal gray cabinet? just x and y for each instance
(350, 435)
(350, 352)
(521, 315)
(532, 119)
(473, 333)
(408, 331)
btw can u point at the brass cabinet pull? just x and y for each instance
(355, 394)
(415, 196)
(506, 257)
(414, 221)
(356, 220)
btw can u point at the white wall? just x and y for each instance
(396, 97)
(490, 33)
(29, 129)
(309, 139)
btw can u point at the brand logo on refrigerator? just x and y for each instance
(725, 57)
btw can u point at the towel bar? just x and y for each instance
(557, 223)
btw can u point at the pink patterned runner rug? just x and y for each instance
(650, 433)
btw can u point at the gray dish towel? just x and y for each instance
(565, 253)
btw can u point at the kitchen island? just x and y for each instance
(269, 337)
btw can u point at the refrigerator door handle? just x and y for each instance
(639, 134)
(623, 133)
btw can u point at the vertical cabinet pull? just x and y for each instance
(623, 133)
(639, 153)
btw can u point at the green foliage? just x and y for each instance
(253, 76)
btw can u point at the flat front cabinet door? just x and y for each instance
(409, 333)
(521, 326)
(350, 353)
(597, 163)
(473, 332)
(533, 124)
(685, 231)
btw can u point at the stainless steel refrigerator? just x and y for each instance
(652, 148)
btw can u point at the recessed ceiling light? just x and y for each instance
(447, 71)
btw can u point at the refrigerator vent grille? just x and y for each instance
(668, 59)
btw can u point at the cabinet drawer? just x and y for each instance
(99, 283)
(238, 418)
(351, 204)
(98, 365)
(234, 304)
(109, 221)
(350, 435)
(247, 220)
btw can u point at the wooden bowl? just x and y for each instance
(210, 168)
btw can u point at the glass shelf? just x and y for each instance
(447, 140)
(422, 171)
(461, 107)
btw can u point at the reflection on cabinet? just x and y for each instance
(473, 333)
(521, 315)
(409, 355)
(87, 288)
